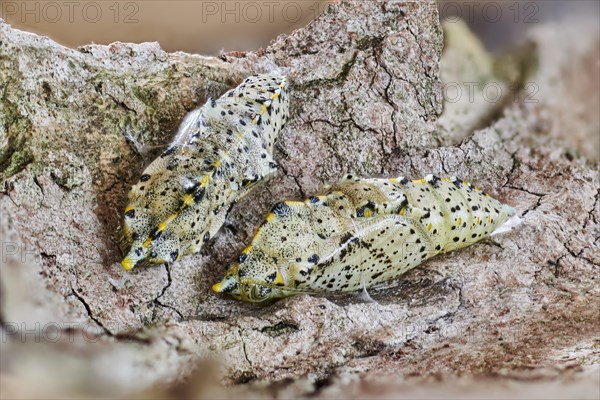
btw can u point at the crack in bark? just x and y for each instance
(590, 213)
(556, 264)
(244, 346)
(11, 199)
(387, 97)
(156, 300)
(302, 192)
(540, 196)
(89, 312)
(578, 255)
(296, 181)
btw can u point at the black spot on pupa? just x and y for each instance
(170, 151)
(130, 213)
(271, 278)
(360, 212)
(246, 182)
(281, 209)
(199, 195)
(206, 237)
(435, 181)
(376, 275)
(174, 255)
(144, 177)
(242, 257)
(313, 259)
(192, 188)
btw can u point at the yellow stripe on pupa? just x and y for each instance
(278, 278)
(188, 199)
(217, 287)
(127, 263)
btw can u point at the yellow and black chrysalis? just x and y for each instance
(219, 152)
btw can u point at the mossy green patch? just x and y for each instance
(15, 156)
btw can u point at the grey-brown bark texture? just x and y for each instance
(78, 126)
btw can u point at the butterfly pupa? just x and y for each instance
(220, 151)
(359, 233)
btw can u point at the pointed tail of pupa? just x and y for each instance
(513, 221)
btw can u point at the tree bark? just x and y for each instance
(79, 125)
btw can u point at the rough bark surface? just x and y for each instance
(78, 126)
